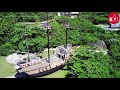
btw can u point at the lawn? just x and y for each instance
(44, 54)
(6, 69)
(57, 74)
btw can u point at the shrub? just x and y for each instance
(6, 49)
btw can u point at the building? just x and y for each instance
(115, 25)
(63, 13)
(72, 14)
(64, 53)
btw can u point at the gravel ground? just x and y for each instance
(14, 58)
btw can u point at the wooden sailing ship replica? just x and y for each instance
(43, 66)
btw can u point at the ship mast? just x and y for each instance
(26, 37)
(48, 27)
(67, 27)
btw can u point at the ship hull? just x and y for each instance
(40, 74)
(47, 72)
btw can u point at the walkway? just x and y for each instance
(11, 76)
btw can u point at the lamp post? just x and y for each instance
(26, 36)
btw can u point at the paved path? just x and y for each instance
(11, 77)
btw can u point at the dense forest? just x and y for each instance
(82, 31)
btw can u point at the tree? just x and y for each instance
(89, 64)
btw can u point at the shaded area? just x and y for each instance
(21, 75)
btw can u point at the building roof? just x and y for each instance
(45, 25)
(74, 12)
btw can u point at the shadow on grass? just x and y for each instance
(64, 69)
(21, 75)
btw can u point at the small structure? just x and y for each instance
(100, 47)
(63, 13)
(110, 27)
(115, 26)
(62, 52)
(99, 44)
(72, 14)
(45, 25)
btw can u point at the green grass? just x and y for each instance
(57, 74)
(44, 54)
(6, 69)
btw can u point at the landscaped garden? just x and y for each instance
(85, 63)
